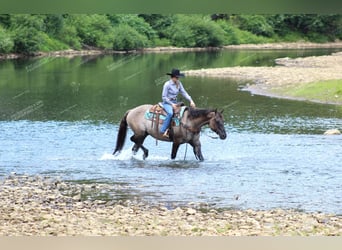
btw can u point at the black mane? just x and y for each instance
(195, 112)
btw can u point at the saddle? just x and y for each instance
(157, 114)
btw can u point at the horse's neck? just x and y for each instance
(198, 122)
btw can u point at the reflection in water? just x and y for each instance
(59, 118)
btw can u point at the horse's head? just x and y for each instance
(216, 124)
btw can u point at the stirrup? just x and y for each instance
(166, 133)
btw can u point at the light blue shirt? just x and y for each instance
(170, 92)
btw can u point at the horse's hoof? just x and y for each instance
(145, 155)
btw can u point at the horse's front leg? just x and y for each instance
(175, 147)
(197, 150)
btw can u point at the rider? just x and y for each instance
(170, 91)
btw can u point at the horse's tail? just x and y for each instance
(120, 141)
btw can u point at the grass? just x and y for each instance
(324, 91)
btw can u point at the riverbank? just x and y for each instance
(316, 78)
(35, 205)
(96, 52)
(171, 49)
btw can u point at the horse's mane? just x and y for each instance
(195, 112)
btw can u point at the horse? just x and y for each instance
(188, 131)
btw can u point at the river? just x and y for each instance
(59, 117)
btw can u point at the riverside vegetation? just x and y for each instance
(36, 205)
(31, 33)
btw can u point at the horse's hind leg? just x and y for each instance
(139, 140)
(145, 155)
(135, 148)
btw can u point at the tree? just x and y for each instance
(53, 24)
(159, 23)
(6, 42)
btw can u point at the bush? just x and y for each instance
(51, 44)
(139, 24)
(255, 24)
(53, 24)
(195, 31)
(245, 37)
(6, 42)
(159, 23)
(27, 40)
(93, 30)
(318, 38)
(162, 42)
(230, 33)
(68, 35)
(127, 38)
(27, 21)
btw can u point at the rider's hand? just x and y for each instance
(192, 104)
(174, 106)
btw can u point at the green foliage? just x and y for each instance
(162, 42)
(27, 40)
(26, 33)
(68, 35)
(330, 90)
(53, 24)
(231, 37)
(245, 37)
(313, 26)
(159, 23)
(29, 21)
(127, 38)
(5, 20)
(292, 36)
(139, 24)
(195, 31)
(234, 36)
(6, 42)
(93, 30)
(256, 24)
(51, 44)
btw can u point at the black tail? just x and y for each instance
(120, 141)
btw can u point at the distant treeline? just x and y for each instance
(28, 33)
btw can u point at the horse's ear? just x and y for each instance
(215, 111)
(222, 111)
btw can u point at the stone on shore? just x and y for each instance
(43, 206)
(332, 132)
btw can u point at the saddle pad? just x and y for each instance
(149, 116)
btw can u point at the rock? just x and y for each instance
(77, 197)
(190, 211)
(332, 132)
(49, 212)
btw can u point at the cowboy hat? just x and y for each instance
(175, 73)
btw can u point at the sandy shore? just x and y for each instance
(289, 73)
(33, 205)
(295, 45)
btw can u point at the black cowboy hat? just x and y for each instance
(175, 73)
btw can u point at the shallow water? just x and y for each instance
(60, 119)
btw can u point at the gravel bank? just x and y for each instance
(289, 73)
(33, 205)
